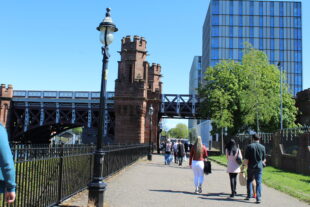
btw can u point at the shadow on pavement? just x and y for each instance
(174, 191)
(171, 165)
(224, 197)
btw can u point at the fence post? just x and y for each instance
(60, 173)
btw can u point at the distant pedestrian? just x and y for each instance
(197, 155)
(186, 147)
(168, 149)
(181, 152)
(7, 170)
(255, 159)
(233, 168)
(175, 151)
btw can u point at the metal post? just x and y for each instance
(222, 141)
(149, 156)
(97, 186)
(281, 97)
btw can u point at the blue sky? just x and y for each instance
(54, 44)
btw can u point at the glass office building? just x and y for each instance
(274, 27)
(195, 76)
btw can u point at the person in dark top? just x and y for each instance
(181, 152)
(255, 159)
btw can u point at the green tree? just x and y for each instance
(180, 131)
(246, 96)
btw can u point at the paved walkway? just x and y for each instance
(155, 184)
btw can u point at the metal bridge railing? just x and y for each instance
(47, 175)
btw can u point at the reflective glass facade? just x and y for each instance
(274, 27)
(195, 77)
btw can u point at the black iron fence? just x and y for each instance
(243, 140)
(289, 139)
(47, 175)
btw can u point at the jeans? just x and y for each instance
(168, 159)
(257, 175)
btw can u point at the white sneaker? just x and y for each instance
(196, 190)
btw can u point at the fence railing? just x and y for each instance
(47, 175)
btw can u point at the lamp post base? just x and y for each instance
(149, 157)
(96, 193)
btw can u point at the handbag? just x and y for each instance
(207, 167)
(242, 179)
(238, 158)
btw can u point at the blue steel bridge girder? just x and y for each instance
(35, 109)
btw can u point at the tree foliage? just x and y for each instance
(180, 131)
(246, 96)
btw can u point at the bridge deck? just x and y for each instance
(154, 184)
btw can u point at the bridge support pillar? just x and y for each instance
(137, 86)
(6, 95)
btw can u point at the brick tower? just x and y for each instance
(138, 84)
(6, 95)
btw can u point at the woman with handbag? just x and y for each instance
(234, 160)
(197, 155)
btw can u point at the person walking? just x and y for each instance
(7, 170)
(197, 154)
(175, 151)
(233, 168)
(168, 149)
(181, 152)
(255, 159)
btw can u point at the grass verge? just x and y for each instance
(294, 184)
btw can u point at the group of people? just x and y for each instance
(254, 160)
(177, 148)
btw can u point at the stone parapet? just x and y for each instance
(6, 94)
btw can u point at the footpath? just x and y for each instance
(151, 183)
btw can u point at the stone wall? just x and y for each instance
(136, 88)
(6, 94)
(303, 104)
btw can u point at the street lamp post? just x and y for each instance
(281, 96)
(97, 186)
(151, 111)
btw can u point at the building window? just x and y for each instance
(261, 12)
(281, 9)
(215, 42)
(251, 7)
(215, 20)
(240, 8)
(215, 31)
(216, 7)
(296, 9)
(215, 53)
(271, 8)
(272, 56)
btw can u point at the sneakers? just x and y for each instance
(247, 198)
(198, 190)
